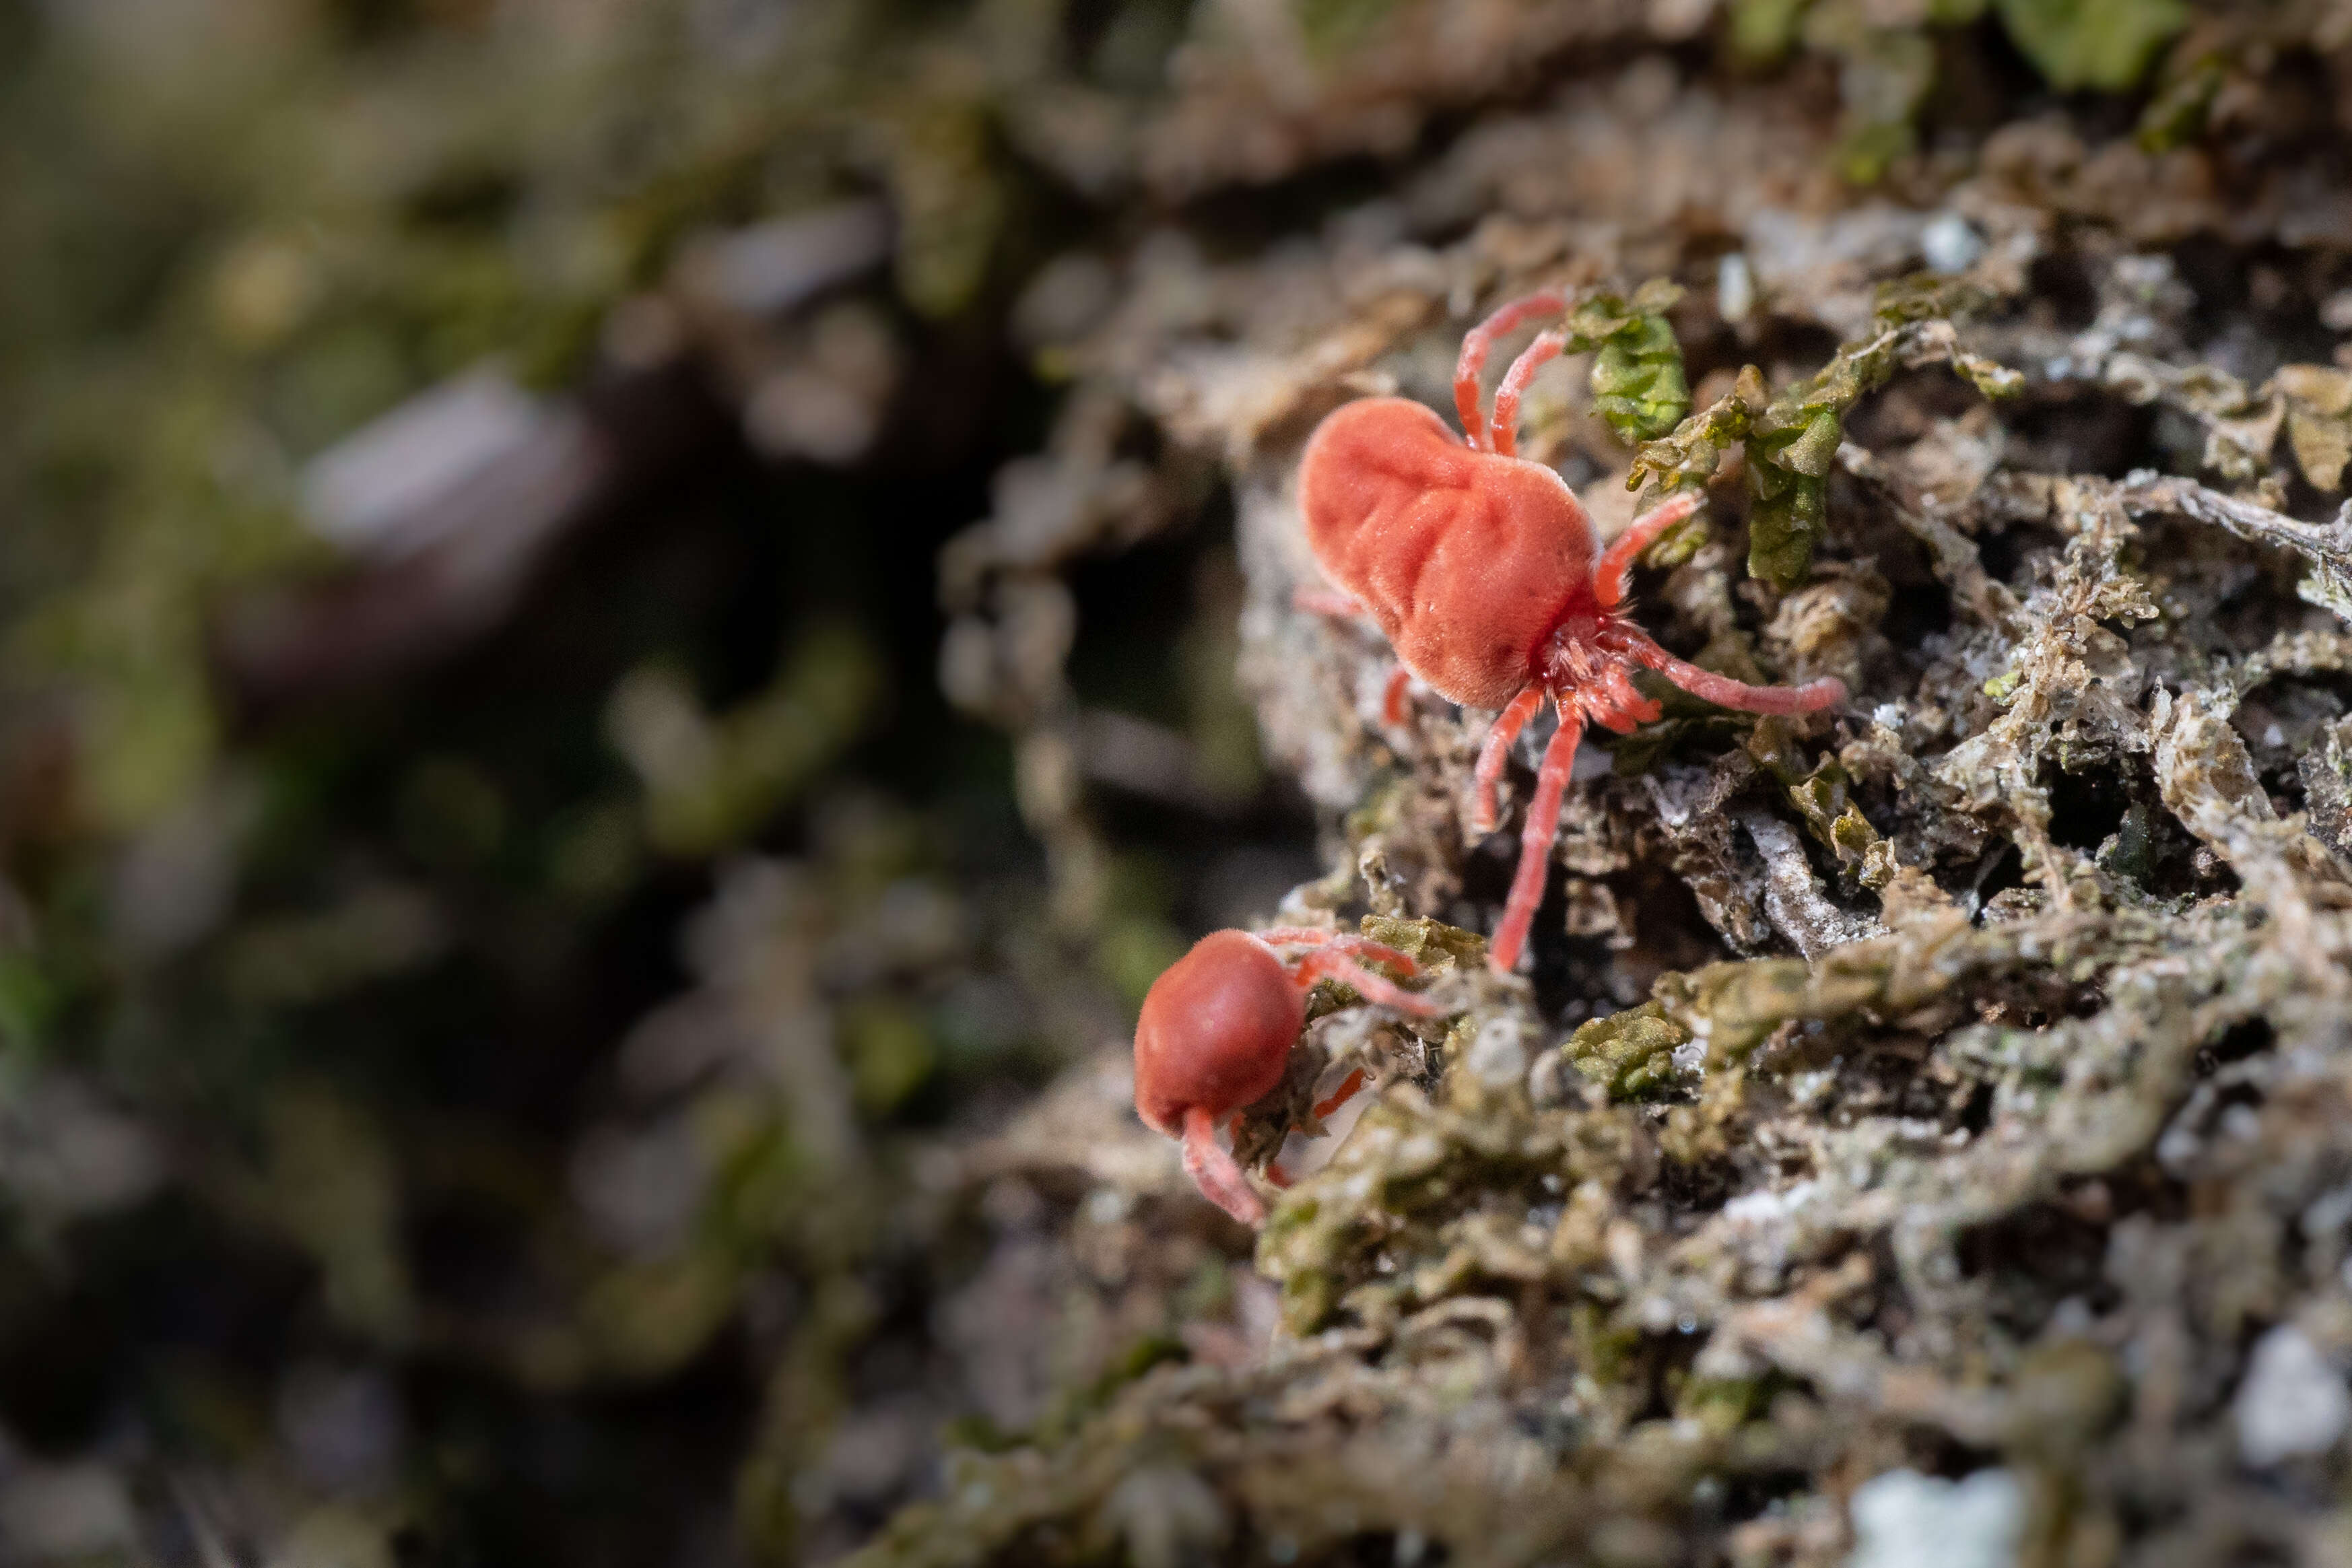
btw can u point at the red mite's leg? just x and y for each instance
(1479, 342)
(1212, 1170)
(1534, 842)
(1496, 752)
(1393, 696)
(1364, 983)
(1504, 427)
(1379, 952)
(1323, 1107)
(1324, 601)
(1609, 573)
(1341, 1095)
(1722, 690)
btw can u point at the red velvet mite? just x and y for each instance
(1480, 568)
(1215, 1035)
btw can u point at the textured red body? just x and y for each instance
(1480, 568)
(1467, 561)
(1215, 1033)
(1216, 1028)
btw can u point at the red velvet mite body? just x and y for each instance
(1480, 568)
(1215, 1034)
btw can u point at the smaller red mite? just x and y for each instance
(1216, 1031)
(1480, 568)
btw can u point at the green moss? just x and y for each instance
(2176, 114)
(1638, 384)
(1723, 1404)
(1791, 440)
(1432, 944)
(712, 779)
(1630, 1053)
(890, 1050)
(1764, 30)
(1332, 27)
(2101, 44)
(1637, 379)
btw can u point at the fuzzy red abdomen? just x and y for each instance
(1215, 1030)
(1466, 560)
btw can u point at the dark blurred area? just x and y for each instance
(501, 933)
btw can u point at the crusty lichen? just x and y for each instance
(1959, 1081)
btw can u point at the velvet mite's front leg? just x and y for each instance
(1215, 1171)
(1609, 572)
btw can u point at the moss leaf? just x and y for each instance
(2101, 44)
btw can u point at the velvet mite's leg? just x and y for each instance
(1495, 754)
(1341, 607)
(1338, 941)
(1609, 573)
(1339, 1096)
(1504, 427)
(1723, 691)
(1393, 696)
(1379, 952)
(1534, 842)
(1213, 1171)
(1364, 983)
(1335, 960)
(1323, 1107)
(1324, 601)
(1479, 342)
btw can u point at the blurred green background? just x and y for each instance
(494, 907)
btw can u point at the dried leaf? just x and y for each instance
(2318, 420)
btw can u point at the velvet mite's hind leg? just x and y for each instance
(1340, 607)
(1609, 572)
(1495, 754)
(1478, 343)
(1722, 690)
(1324, 601)
(1215, 1171)
(1536, 839)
